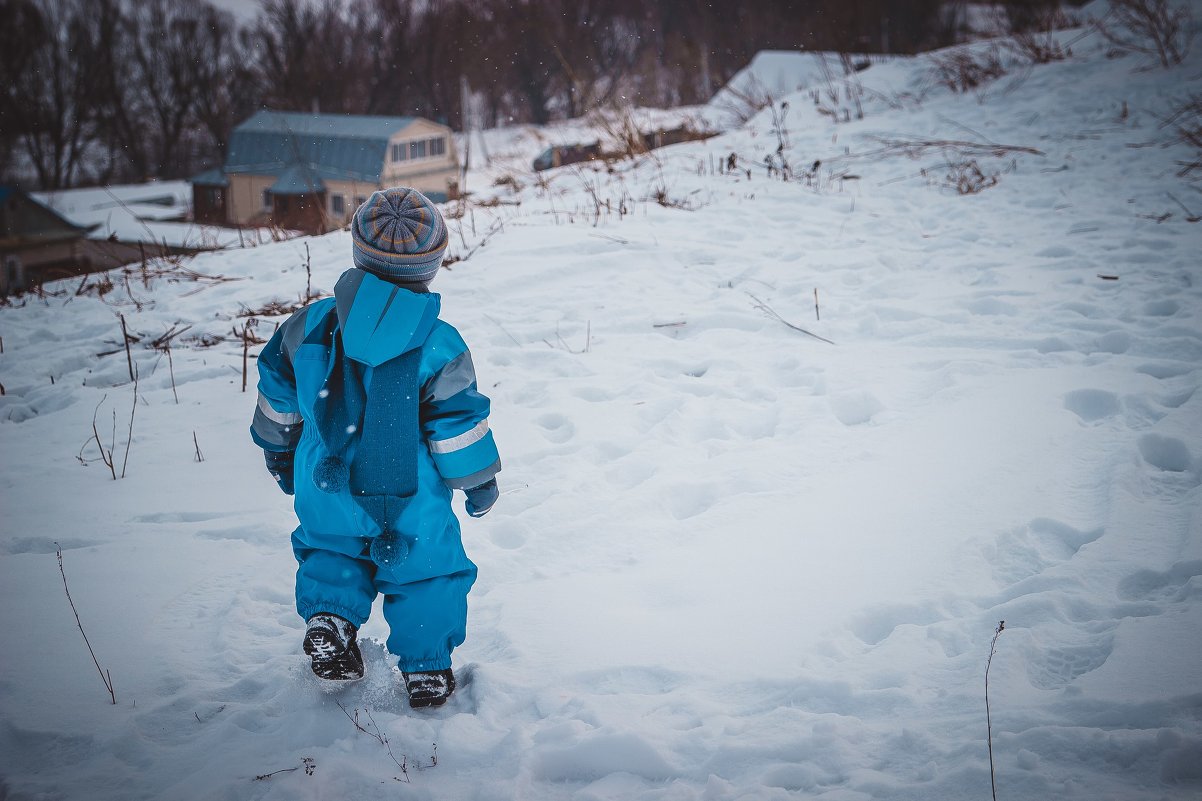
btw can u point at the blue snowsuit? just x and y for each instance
(375, 465)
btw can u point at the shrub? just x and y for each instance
(1149, 26)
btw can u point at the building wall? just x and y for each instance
(353, 193)
(244, 199)
(23, 268)
(301, 212)
(437, 175)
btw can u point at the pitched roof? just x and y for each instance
(210, 177)
(330, 146)
(25, 221)
(297, 180)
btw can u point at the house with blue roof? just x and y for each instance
(311, 171)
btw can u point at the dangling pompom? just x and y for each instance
(331, 474)
(389, 550)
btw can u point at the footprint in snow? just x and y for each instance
(1024, 552)
(556, 427)
(1092, 405)
(179, 517)
(1176, 585)
(508, 535)
(44, 545)
(1168, 454)
(1164, 370)
(1070, 654)
(855, 408)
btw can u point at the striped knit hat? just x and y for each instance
(399, 235)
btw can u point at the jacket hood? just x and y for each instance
(379, 320)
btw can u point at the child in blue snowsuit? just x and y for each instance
(369, 413)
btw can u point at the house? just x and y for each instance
(36, 243)
(311, 171)
(135, 222)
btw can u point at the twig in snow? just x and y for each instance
(771, 312)
(617, 239)
(309, 297)
(105, 676)
(130, 438)
(915, 147)
(588, 339)
(308, 763)
(1001, 626)
(106, 455)
(378, 736)
(1189, 215)
(496, 226)
(247, 334)
(125, 338)
(498, 325)
(199, 457)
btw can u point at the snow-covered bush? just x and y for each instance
(1155, 27)
(963, 69)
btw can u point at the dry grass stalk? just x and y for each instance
(105, 675)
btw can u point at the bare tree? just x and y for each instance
(21, 38)
(162, 38)
(52, 88)
(227, 84)
(306, 55)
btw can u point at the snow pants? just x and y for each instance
(427, 618)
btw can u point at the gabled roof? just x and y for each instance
(297, 180)
(325, 146)
(24, 221)
(210, 177)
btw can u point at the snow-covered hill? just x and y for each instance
(731, 560)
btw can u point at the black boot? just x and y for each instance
(330, 643)
(429, 689)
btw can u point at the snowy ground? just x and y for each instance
(731, 561)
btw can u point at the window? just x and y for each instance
(266, 200)
(417, 149)
(338, 205)
(282, 203)
(360, 200)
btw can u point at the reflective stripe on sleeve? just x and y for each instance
(281, 418)
(460, 442)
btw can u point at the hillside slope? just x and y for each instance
(731, 561)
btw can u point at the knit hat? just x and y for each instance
(399, 235)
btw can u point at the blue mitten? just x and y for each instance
(480, 499)
(279, 464)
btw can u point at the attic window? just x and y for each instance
(416, 149)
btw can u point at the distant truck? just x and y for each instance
(559, 155)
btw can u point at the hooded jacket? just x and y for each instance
(379, 457)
